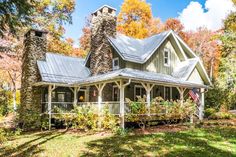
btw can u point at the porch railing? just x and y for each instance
(113, 107)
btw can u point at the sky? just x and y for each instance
(192, 13)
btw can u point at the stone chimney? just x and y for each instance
(35, 48)
(103, 25)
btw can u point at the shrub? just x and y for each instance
(109, 121)
(85, 118)
(2, 136)
(209, 112)
(160, 109)
(221, 115)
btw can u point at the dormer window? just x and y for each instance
(115, 63)
(166, 57)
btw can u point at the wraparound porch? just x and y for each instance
(118, 106)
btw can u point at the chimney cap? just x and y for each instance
(37, 30)
(100, 8)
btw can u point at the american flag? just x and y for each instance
(194, 94)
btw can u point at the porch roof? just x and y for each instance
(139, 75)
(127, 73)
(62, 69)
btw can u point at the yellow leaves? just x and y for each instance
(134, 18)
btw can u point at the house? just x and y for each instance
(116, 68)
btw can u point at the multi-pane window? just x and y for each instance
(115, 63)
(167, 57)
(139, 91)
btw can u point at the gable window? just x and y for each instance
(166, 57)
(139, 91)
(115, 63)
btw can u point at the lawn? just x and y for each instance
(207, 141)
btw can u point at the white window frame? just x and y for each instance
(113, 63)
(168, 57)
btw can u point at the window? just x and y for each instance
(167, 93)
(138, 91)
(61, 97)
(166, 57)
(115, 63)
(115, 94)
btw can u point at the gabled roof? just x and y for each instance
(62, 69)
(184, 69)
(137, 50)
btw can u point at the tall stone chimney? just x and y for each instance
(35, 48)
(103, 25)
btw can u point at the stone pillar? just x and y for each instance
(35, 46)
(103, 25)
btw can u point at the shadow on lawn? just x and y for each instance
(30, 148)
(164, 144)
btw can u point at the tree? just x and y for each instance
(134, 17)
(15, 14)
(224, 91)
(84, 40)
(155, 26)
(46, 14)
(205, 44)
(177, 26)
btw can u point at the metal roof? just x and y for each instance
(137, 50)
(62, 69)
(185, 68)
(139, 75)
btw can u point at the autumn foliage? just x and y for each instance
(134, 17)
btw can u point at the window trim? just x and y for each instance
(113, 62)
(168, 57)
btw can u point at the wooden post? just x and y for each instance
(181, 92)
(122, 86)
(148, 87)
(202, 104)
(49, 106)
(122, 104)
(75, 91)
(50, 89)
(100, 89)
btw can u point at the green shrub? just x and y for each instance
(160, 110)
(85, 118)
(109, 121)
(221, 115)
(3, 137)
(209, 112)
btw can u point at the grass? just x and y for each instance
(210, 141)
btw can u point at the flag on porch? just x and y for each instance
(194, 94)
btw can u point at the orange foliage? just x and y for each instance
(177, 26)
(205, 43)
